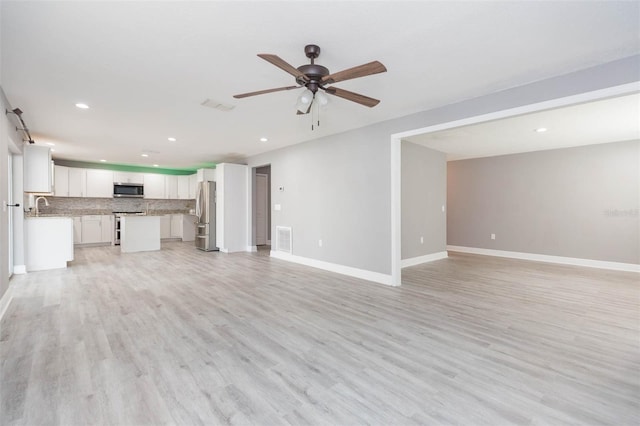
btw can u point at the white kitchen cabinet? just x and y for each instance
(172, 187)
(154, 185)
(193, 186)
(60, 181)
(165, 226)
(183, 187)
(37, 169)
(99, 183)
(128, 177)
(77, 182)
(106, 222)
(188, 227)
(91, 229)
(77, 230)
(176, 226)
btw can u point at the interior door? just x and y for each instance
(262, 208)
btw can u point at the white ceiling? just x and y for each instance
(145, 67)
(610, 120)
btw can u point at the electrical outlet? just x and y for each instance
(277, 207)
(493, 236)
(443, 208)
(319, 243)
(421, 240)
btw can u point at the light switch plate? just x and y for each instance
(277, 207)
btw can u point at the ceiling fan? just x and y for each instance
(314, 77)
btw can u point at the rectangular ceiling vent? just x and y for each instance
(217, 105)
(283, 239)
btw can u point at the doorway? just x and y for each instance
(261, 207)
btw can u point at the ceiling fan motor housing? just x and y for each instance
(314, 73)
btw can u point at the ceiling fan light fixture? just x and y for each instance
(306, 97)
(321, 99)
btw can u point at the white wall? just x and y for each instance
(232, 207)
(9, 142)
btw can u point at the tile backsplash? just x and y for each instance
(85, 206)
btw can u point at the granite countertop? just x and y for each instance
(99, 212)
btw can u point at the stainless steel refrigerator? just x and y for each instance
(206, 215)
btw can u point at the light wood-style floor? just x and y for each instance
(186, 337)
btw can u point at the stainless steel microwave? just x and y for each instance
(128, 190)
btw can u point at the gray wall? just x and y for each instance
(576, 202)
(338, 188)
(424, 192)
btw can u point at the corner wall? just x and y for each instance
(424, 195)
(577, 202)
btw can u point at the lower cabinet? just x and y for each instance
(165, 226)
(77, 230)
(93, 229)
(171, 226)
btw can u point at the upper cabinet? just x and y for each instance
(154, 186)
(37, 169)
(193, 186)
(172, 187)
(99, 183)
(128, 177)
(183, 187)
(60, 181)
(77, 182)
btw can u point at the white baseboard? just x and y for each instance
(224, 250)
(423, 259)
(6, 300)
(252, 248)
(600, 264)
(334, 267)
(19, 269)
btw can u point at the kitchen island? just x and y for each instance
(139, 233)
(49, 242)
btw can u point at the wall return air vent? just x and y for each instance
(217, 105)
(283, 239)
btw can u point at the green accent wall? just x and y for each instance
(132, 168)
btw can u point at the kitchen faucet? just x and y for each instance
(46, 203)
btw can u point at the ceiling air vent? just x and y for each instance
(217, 105)
(283, 239)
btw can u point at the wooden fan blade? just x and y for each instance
(283, 65)
(262, 92)
(351, 96)
(374, 67)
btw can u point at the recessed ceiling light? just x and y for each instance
(263, 139)
(103, 161)
(156, 165)
(145, 155)
(51, 144)
(541, 129)
(171, 139)
(53, 150)
(82, 106)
